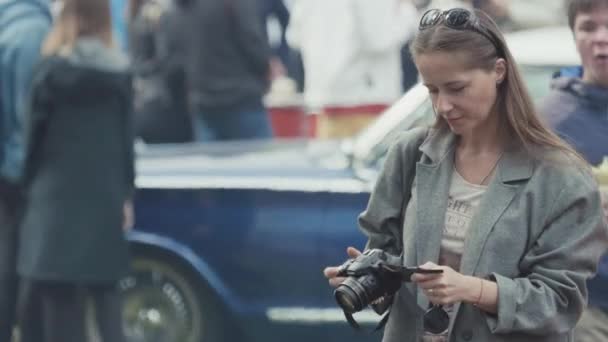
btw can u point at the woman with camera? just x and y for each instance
(489, 195)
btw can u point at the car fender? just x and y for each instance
(198, 265)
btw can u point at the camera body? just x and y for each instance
(372, 276)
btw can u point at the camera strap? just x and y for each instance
(353, 323)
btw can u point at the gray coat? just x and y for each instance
(539, 232)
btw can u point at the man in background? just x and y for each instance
(23, 26)
(227, 68)
(577, 108)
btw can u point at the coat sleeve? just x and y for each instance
(382, 219)
(551, 294)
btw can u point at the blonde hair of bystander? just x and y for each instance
(77, 19)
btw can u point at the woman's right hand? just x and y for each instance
(331, 272)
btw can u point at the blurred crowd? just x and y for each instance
(225, 69)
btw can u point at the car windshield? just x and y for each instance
(537, 78)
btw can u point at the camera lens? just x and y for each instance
(347, 299)
(351, 296)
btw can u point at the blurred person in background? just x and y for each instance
(514, 15)
(496, 9)
(351, 55)
(56, 6)
(78, 180)
(537, 13)
(227, 63)
(23, 26)
(161, 112)
(274, 17)
(295, 69)
(577, 108)
(118, 10)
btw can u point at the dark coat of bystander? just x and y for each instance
(79, 168)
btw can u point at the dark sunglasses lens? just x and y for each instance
(457, 17)
(436, 320)
(430, 18)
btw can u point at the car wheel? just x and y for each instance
(163, 303)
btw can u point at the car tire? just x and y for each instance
(163, 302)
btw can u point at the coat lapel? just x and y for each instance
(513, 167)
(483, 222)
(432, 185)
(433, 176)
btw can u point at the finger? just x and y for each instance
(436, 300)
(430, 292)
(430, 284)
(334, 282)
(353, 252)
(421, 277)
(433, 296)
(330, 272)
(430, 265)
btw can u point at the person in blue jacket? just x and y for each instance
(577, 109)
(119, 22)
(23, 26)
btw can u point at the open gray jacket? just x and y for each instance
(539, 232)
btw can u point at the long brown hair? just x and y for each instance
(514, 104)
(79, 18)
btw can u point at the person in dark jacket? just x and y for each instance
(227, 69)
(577, 108)
(23, 26)
(78, 180)
(161, 111)
(281, 54)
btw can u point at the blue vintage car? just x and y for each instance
(231, 238)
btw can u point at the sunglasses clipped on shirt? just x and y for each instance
(458, 19)
(436, 320)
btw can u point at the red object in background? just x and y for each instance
(340, 123)
(373, 109)
(294, 122)
(288, 122)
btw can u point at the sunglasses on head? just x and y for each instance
(458, 19)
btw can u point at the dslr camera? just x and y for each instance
(370, 278)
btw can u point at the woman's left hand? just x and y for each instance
(447, 287)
